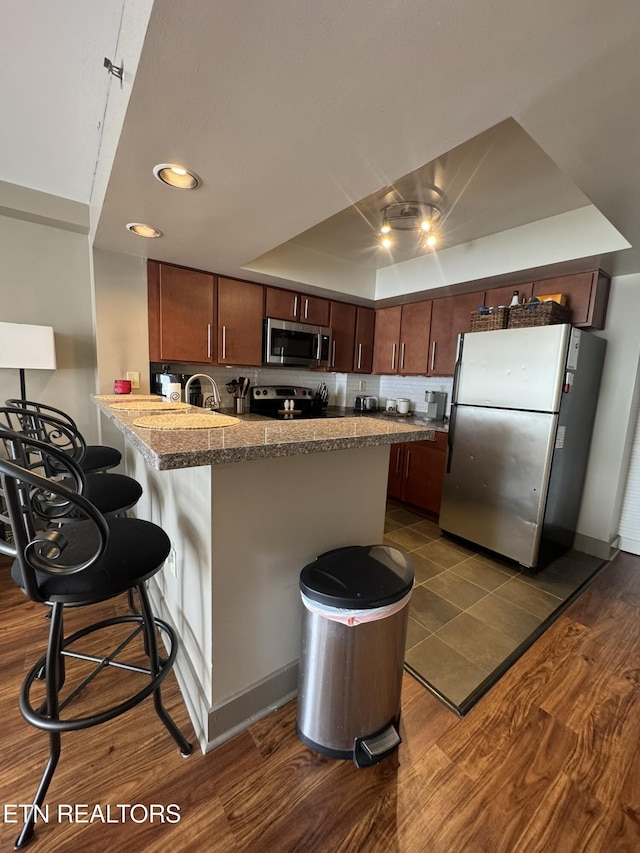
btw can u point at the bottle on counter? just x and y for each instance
(515, 299)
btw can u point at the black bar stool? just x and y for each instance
(96, 457)
(86, 561)
(112, 494)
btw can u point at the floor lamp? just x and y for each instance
(27, 347)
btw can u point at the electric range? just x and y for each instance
(289, 402)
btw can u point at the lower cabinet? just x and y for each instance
(416, 473)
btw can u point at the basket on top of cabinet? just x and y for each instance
(538, 314)
(496, 319)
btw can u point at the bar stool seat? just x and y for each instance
(83, 562)
(94, 457)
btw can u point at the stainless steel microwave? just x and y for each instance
(296, 344)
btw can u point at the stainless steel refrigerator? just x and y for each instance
(523, 407)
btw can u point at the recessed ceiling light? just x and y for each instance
(143, 230)
(177, 176)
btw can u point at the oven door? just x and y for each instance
(295, 344)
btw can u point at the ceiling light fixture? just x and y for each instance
(142, 230)
(418, 216)
(177, 176)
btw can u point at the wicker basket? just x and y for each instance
(538, 314)
(486, 322)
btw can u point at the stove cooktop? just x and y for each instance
(289, 402)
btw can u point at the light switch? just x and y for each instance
(134, 377)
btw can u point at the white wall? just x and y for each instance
(45, 279)
(616, 415)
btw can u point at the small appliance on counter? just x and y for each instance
(436, 405)
(160, 383)
(366, 404)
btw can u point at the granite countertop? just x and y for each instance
(257, 437)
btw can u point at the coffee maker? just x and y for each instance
(436, 405)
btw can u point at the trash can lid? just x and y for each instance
(359, 576)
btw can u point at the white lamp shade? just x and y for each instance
(27, 347)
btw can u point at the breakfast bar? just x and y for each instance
(246, 507)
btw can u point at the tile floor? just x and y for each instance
(469, 611)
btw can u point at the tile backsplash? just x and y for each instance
(343, 387)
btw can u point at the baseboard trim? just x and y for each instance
(597, 547)
(234, 715)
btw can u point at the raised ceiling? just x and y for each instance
(300, 117)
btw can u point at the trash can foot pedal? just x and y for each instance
(373, 748)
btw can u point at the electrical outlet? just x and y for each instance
(134, 377)
(171, 562)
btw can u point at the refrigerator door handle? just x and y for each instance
(450, 435)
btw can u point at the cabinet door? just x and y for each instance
(343, 332)
(386, 340)
(498, 296)
(314, 310)
(281, 304)
(182, 314)
(587, 295)
(396, 471)
(239, 322)
(449, 316)
(424, 467)
(363, 352)
(289, 305)
(415, 330)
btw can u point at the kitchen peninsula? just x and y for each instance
(246, 507)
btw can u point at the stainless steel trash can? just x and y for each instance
(352, 655)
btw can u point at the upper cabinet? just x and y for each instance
(450, 316)
(587, 296)
(239, 326)
(402, 339)
(298, 307)
(181, 314)
(342, 321)
(363, 350)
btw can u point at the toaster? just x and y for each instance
(366, 404)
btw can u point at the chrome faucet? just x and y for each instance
(215, 394)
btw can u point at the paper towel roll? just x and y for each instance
(173, 392)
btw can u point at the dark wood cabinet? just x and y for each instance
(298, 307)
(386, 339)
(181, 314)
(502, 295)
(401, 341)
(416, 473)
(342, 320)
(363, 351)
(239, 326)
(586, 294)
(450, 315)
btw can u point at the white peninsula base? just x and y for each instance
(242, 532)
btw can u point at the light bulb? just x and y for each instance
(431, 241)
(425, 225)
(178, 170)
(386, 242)
(385, 227)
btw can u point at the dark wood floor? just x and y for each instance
(548, 760)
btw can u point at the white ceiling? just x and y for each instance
(292, 113)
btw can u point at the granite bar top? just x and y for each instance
(257, 437)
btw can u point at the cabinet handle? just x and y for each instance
(333, 353)
(306, 308)
(406, 467)
(208, 340)
(393, 357)
(224, 342)
(359, 356)
(402, 356)
(433, 355)
(295, 306)
(397, 460)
